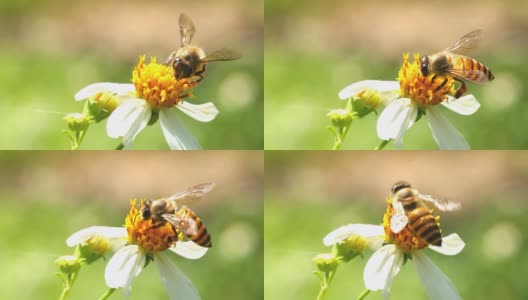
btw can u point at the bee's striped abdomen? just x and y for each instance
(424, 225)
(473, 70)
(201, 237)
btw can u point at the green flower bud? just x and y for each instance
(366, 102)
(326, 262)
(102, 105)
(78, 122)
(68, 264)
(93, 249)
(350, 247)
(341, 118)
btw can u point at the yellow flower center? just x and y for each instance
(157, 85)
(150, 236)
(406, 239)
(423, 90)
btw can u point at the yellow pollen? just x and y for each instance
(157, 85)
(429, 90)
(150, 237)
(405, 238)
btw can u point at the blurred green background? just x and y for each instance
(46, 197)
(313, 49)
(52, 48)
(310, 193)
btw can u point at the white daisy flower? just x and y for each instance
(413, 95)
(391, 251)
(138, 243)
(153, 93)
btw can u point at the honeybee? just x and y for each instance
(410, 208)
(190, 61)
(182, 218)
(454, 62)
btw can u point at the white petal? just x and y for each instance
(103, 231)
(204, 112)
(379, 85)
(177, 136)
(101, 87)
(451, 245)
(124, 266)
(436, 283)
(466, 105)
(445, 134)
(374, 234)
(382, 267)
(387, 97)
(396, 118)
(128, 119)
(189, 250)
(178, 286)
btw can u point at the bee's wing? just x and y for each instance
(192, 194)
(223, 55)
(186, 225)
(187, 30)
(399, 219)
(441, 205)
(473, 76)
(465, 44)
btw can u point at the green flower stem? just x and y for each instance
(363, 295)
(80, 135)
(120, 147)
(67, 285)
(325, 282)
(79, 138)
(78, 126)
(107, 294)
(382, 145)
(340, 137)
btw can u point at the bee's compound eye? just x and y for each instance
(399, 186)
(145, 213)
(182, 69)
(424, 65)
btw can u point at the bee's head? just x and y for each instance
(424, 65)
(145, 212)
(182, 68)
(186, 62)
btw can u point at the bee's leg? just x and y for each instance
(461, 90)
(174, 231)
(199, 74)
(157, 225)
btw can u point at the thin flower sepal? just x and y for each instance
(78, 125)
(69, 266)
(326, 265)
(341, 120)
